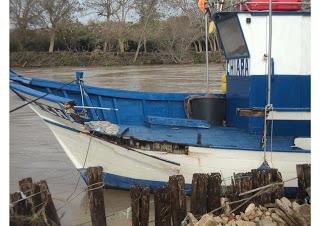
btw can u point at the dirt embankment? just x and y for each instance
(44, 59)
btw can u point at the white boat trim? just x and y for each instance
(289, 115)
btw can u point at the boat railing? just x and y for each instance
(242, 5)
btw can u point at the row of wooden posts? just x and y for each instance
(170, 202)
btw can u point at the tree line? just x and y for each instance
(173, 27)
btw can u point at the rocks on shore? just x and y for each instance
(282, 213)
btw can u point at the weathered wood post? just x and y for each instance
(162, 207)
(36, 198)
(279, 190)
(25, 186)
(18, 210)
(140, 199)
(50, 212)
(199, 194)
(95, 196)
(214, 191)
(37, 208)
(177, 199)
(135, 200)
(304, 181)
(144, 206)
(264, 177)
(242, 182)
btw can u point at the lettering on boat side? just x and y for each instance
(238, 67)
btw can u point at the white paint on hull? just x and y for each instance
(127, 163)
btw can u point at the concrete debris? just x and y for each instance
(192, 220)
(282, 213)
(207, 220)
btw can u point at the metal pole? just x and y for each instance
(269, 53)
(207, 57)
(269, 80)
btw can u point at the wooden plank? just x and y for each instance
(250, 112)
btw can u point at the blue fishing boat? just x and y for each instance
(145, 137)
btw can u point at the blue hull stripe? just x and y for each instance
(120, 182)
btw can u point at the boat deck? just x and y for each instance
(214, 137)
(151, 117)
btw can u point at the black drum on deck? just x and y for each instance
(211, 108)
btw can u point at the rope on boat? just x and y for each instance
(38, 98)
(84, 163)
(69, 199)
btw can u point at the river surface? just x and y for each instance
(34, 152)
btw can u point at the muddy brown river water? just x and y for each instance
(35, 152)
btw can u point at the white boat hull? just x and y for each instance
(123, 168)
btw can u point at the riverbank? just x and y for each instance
(65, 58)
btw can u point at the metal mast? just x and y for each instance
(207, 57)
(269, 53)
(268, 106)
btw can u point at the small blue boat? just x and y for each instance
(145, 137)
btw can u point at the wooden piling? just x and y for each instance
(242, 182)
(140, 200)
(304, 181)
(199, 194)
(36, 209)
(50, 213)
(144, 206)
(177, 199)
(214, 191)
(135, 200)
(264, 177)
(25, 186)
(162, 207)
(19, 210)
(36, 198)
(95, 196)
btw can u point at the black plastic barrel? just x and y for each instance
(211, 108)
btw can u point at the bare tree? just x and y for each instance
(55, 12)
(147, 12)
(23, 15)
(117, 11)
(182, 30)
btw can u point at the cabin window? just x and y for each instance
(231, 36)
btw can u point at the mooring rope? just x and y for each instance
(26, 197)
(83, 165)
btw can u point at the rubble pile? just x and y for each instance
(282, 213)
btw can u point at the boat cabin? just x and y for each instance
(244, 39)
